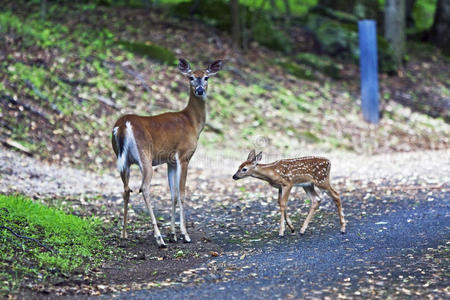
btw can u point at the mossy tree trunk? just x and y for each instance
(440, 31)
(394, 27)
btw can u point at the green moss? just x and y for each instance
(297, 70)
(323, 64)
(73, 242)
(152, 51)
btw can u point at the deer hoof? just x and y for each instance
(302, 233)
(343, 231)
(160, 242)
(173, 238)
(185, 238)
(293, 230)
(281, 236)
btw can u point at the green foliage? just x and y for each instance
(74, 242)
(47, 87)
(34, 31)
(423, 14)
(297, 7)
(266, 34)
(217, 13)
(214, 12)
(335, 38)
(324, 64)
(386, 61)
(340, 40)
(152, 51)
(46, 34)
(296, 70)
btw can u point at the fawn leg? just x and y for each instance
(337, 200)
(315, 201)
(285, 191)
(288, 220)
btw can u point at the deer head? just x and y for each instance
(247, 168)
(198, 80)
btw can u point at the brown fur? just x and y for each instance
(285, 174)
(166, 138)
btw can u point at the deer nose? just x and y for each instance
(200, 91)
(235, 177)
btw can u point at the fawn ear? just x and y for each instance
(184, 67)
(251, 156)
(258, 157)
(214, 67)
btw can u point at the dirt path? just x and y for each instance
(400, 253)
(234, 229)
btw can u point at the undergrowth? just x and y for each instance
(70, 244)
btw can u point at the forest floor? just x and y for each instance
(396, 205)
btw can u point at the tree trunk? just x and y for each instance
(43, 8)
(235, 24)
(394, 27)
(440, 31)
(409, 13)
(287, 10)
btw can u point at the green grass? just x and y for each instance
(75, 243)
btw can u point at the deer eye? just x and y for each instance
(244, 169)
(191, 78)
(206, 78)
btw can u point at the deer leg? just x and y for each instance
(145, 188)
(285, 190)
(337, 200)
(315, 201)
(288, 220)
(125, 175)
(171, 174)
(182, 168)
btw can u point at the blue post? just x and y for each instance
(368, 62)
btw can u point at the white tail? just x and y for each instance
(129, 149)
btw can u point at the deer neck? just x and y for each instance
(196, 111)
(264, 172)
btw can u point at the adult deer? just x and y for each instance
(166, 138)
(284, 174)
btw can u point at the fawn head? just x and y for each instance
(247, 168)
(198, 80)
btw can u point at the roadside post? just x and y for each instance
(368, 63)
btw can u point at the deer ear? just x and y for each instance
(214, 67)
(258, 157)
(251, 156)
(184, 66)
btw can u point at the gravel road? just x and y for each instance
(403, 253)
